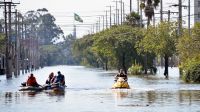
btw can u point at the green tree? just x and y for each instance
(189, 53)
(2, 43)
(160, 40)
(82, 51)
(118, 43)
(41, 24)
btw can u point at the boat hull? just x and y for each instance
(120, 85)
(30, 88)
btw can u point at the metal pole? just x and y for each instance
(116, 14)
(121, 10)
(161, 11)
(110, 16)
(114, 19)
(106, 20)
(138, 6)
(99, 23)
(118, 17)
(180, 18)
(189, 17)
(130, 6)
(103, 22)
(169, 15)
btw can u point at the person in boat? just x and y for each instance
(32, 81)
(60, 79)
(50, 79)
(121, 74)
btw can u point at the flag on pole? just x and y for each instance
(77, 18)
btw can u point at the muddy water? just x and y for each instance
(89, 91)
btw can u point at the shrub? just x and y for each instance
(191, 73)
(135, 69)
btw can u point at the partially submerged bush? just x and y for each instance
(191, 73)
(135, 69)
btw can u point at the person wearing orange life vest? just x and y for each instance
(32, 81)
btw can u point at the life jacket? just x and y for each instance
(31, 81)
(52, 80)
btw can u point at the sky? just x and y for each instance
(89, 11)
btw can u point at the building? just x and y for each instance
(196, 11)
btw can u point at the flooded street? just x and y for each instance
(88, 90)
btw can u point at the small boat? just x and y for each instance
(120, 84)
(55, 88)
(59, 89)
(30, 88)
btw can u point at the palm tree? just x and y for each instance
(133, 19)
(149, 6)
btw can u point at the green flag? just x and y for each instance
(77, 18)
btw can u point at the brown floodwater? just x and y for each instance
(88, 90)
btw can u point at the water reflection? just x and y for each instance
(189, 96)
(55, 93)
(30, 93)
(146, 98)
(119, 94)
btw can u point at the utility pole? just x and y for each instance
(106, 19)
(23, 49)
(180, 17)
(141, 22)
(130, 6)
(116, 12)
(9, 50)
(121, 10)
(110, 16)
(118, 17)
(103, 22)
(138, 6)
(92, 28)
(8, 71)
(19, 42)
(161, 11)
(189, 17)
(115, 23)
(99, 23)
(169, 13)
(16, 45)
(97, 27)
